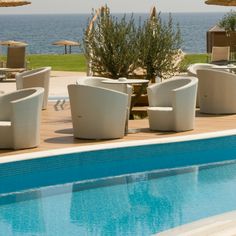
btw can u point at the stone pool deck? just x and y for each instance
(56, 126)
(56, 129)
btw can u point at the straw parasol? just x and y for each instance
(13, 3)
(13, 43)
(66, 43)
(221, 2)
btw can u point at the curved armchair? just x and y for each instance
(97, 82)
(35, 78)
(93, 113)
(172, 104)
(193, 68)
(20, 118)
(192, 71)
(217, 92)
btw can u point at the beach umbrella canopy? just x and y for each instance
(13, 43)
(13, 3)
(221, 2)
(66, 43)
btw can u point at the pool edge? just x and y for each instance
(70, 150)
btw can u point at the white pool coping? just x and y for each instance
(223, 224)
(96, 147)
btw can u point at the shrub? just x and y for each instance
(115, 48)
(111, 46)
(159, 47)
(228, 22)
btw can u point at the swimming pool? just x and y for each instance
(136, 190)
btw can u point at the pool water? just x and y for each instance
(135, 204)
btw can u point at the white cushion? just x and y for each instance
(160, 109)
(5, 123)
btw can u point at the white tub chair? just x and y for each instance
(217, 92)
(35, 78)
(172, 104)
(192, 71)
(97, 113)
(97, 82)
(20, 114)
(193, 68)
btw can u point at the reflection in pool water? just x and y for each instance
(139, 204)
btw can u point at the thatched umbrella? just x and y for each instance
(13, 43)
(13, 3)
(221, 2)
(66, 43)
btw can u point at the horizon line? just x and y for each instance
(73, 13)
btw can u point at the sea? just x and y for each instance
(40, 31)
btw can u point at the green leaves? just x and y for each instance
(159, 44)
(115, 48)
(228, 22)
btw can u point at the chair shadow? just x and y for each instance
(70, 139)
(11, 80)
(148, 131)
(199, 114)
(64, 131)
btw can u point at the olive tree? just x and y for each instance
(111, 46)
(159, 46)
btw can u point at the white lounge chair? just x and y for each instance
(20, 118)
(97, 113)
(97, 82)
(193, 68)
(35, 78)
(172, 104)
(217, 91)
(192, 71)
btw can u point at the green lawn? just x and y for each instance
(193, 58)
(77, 62)
(69, 62)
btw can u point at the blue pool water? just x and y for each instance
(136, 190)
(140, 204)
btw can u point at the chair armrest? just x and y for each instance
(152, 92)
(5, 105)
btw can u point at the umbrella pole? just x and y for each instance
(65, 49)
(70, 49)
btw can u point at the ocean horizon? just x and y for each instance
(41, 30)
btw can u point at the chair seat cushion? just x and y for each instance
(5, 123)
(160, 118)
(160, 109)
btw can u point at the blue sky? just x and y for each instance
(121, 6)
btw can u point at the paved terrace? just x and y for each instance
(56, 127)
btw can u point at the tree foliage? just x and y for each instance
(159, 45)
(228, 22)
(111, 46)
(117, 47)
